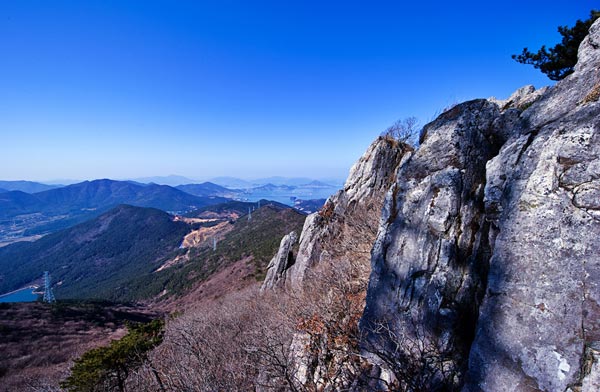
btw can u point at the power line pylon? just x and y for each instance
(48, 294)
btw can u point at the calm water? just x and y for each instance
(24, 295)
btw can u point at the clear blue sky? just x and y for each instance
(117, 89)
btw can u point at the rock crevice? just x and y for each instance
(482, 243)
(486, 265)
(280, 263)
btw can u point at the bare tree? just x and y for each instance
(405, 130)
(301, 340)
(415, 360)
(296, 340)
(243, 342)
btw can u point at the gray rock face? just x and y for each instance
(521, 99)
(346, 226)
(539, 324)
(337, 240)
(486, 267)
(432, 250)
(280, 263)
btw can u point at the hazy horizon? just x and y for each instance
(172, 178)
(128, 90)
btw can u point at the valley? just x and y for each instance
(22, 227)
(127, 265)
(29, 216)
(132, 253)
(191, 231)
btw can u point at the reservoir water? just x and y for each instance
(23, 295)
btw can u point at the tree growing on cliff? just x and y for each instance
(559, 61)
(405, 130)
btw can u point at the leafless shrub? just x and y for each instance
(405, 130)
(593, 95)
(415, 361)
(327, 311)
(235, 345)
(299, 340)
(40, 385)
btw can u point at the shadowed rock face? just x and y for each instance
(486, 266)
(430, 259)
(280, 263)
(539, 326)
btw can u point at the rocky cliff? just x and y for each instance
(486, 266)
(328, 274)
(539, 325)
(345, 228)
(279, 264)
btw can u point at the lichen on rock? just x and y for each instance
(485, 270)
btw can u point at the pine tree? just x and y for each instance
(107, 368)
(559, 61)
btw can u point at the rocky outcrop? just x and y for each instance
(430, 258)
(539, 325)
(345, 228)
(280, 263)
(486, 266)
(331, 269)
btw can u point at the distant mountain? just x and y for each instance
(15, 203)
(249, 242)
(23, 214)
(95, 259)
(278, 180)
(318, 184)
(287, 194)
(273, 188)
(232, 182)
(25, 186)
(237, 183)
(102, 194)
(172, 180)
(62, 181)
(207, 189)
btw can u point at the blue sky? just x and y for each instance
(118, 89)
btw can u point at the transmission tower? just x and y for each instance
(48, 294)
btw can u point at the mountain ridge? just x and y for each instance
(207, 189)
(171, 180)
(26, 186)
(94, 256)
(103, 193)
(23, 214)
